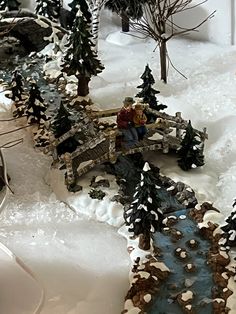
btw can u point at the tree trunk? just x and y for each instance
(124, 22)
(83, 89)
(95, 25)
(163, 61)
(144, 241)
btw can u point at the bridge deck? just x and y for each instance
(164, 134)
(146, 145)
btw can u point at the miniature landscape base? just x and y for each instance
(42, 230)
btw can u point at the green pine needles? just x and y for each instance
(144, 215)
(80, 58)
(61, 122)
(191, 156)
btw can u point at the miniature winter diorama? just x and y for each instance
(93, 158)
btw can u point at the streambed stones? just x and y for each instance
(192, 244)
(181, 253)
(185, 298)
(190, 268)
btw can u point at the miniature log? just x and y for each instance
(112, 146)
(70, 178)
(165, 144)
(91, 165)
(178, 119)
(104, 113)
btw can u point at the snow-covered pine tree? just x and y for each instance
(48, 8)
(191, 156)
(61, 122)
(148, 93)
(35, 108)
(80, 58)
(60, 125)
(17, 85)
(126, 9)
(230, 230)
(10, 4)
(81, 5)
(144, 216)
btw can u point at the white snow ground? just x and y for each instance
(83, 264)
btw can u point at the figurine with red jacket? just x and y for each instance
(125, 118)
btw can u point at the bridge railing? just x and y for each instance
(164, 121)
(164, 125)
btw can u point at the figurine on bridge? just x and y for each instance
(125, 123)
(140, 120)
(16, 85)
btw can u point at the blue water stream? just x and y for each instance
(201, 280)
(31, 68)
(165, 302)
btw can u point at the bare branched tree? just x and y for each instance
(158, 23)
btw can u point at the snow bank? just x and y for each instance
(124, 39)
(101, 210)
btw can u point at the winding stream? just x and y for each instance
(199, 281)
(30, 68)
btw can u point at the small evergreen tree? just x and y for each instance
(60, 125)
(67, 17)
(10, 4)
(190, 154)
(81, 5)
(61, 122)
(17, 85)
(80, 58)
(48, 8)
(230, 230)
(126, 9)
(35, 108)
(144, 215)
(148, 93)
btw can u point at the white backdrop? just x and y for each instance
(220, 29)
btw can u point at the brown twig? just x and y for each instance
(158, 23)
